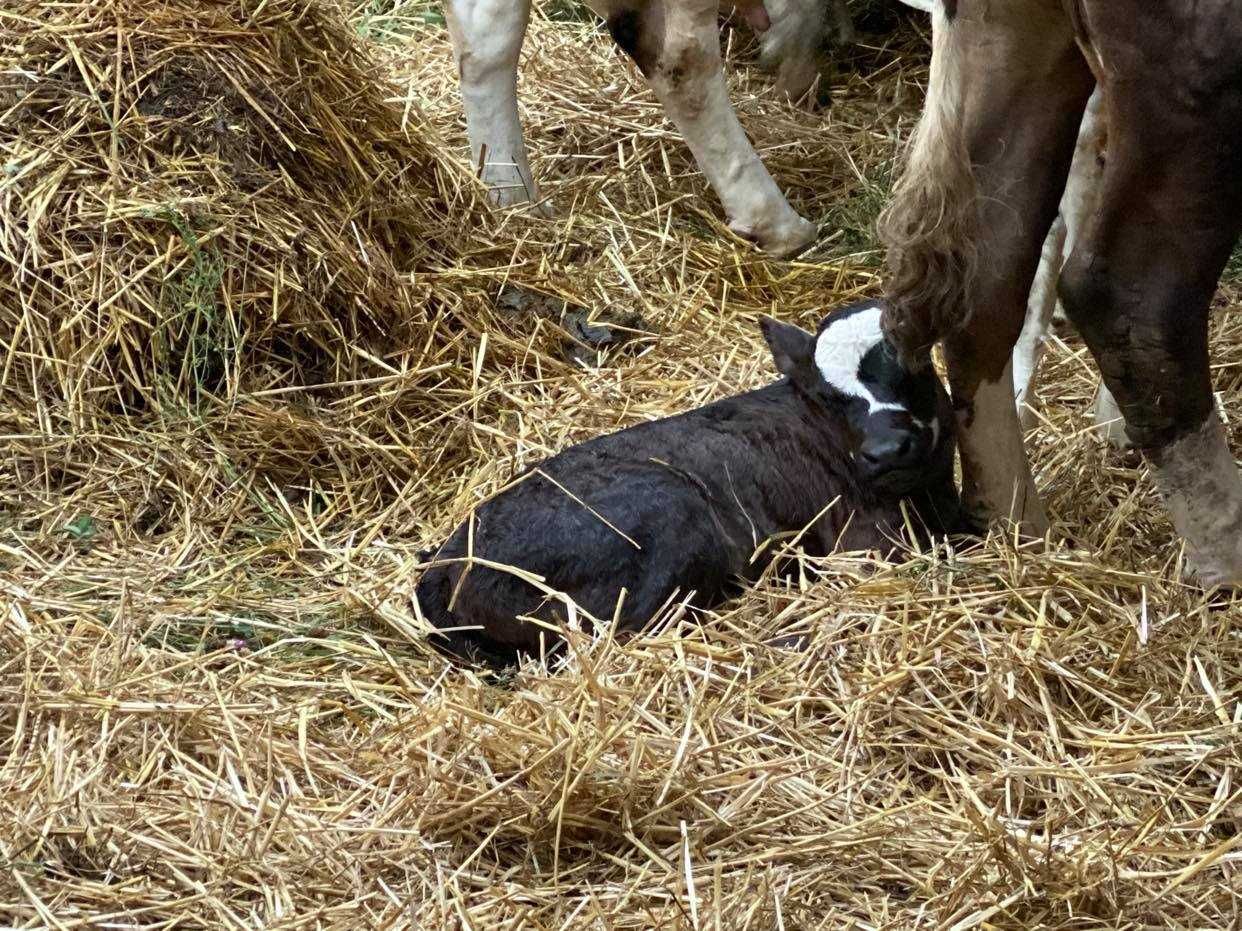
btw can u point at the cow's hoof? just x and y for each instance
(508, 197)
(503, 195)
(1027, 416)
(977, 519)
(1217, 574)
(823, 94)
(543, 209)
(1114, 433)
(1021, 513)
(798, 75)
(783, 239)
(520, 300)
(507, 187)
(1216, 566)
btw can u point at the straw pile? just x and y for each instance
(253, 362)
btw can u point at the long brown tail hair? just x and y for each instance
(930, 226)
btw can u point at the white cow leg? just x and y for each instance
(1086, 177)
(1082, 193)
(676, 44)
(1043, 301)
(1109, 421)
(487, 39)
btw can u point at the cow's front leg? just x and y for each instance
(676, 45)
(487, 39)
(971, 213)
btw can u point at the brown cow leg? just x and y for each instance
(1141, 280)
(1021, 86)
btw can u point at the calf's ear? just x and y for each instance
(793, 349)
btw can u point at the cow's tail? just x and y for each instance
(930, 226)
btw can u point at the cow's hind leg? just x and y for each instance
(970, 215)
(676, 45)
(1110, 423)
(793, 45)
(487, 39)
(1139, 285)
(1082, 194)
(1043, 301)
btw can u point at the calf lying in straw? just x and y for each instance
(690, 506)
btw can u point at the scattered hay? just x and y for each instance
(218, 218)
(228, 434)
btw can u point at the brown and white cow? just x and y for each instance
(676, 45)
(1009, 85)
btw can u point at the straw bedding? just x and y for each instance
(254, 360)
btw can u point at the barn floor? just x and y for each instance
(216, 709)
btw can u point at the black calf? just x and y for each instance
(680, 506)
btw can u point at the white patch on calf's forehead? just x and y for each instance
(839, 351)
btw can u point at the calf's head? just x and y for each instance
(898, 423)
